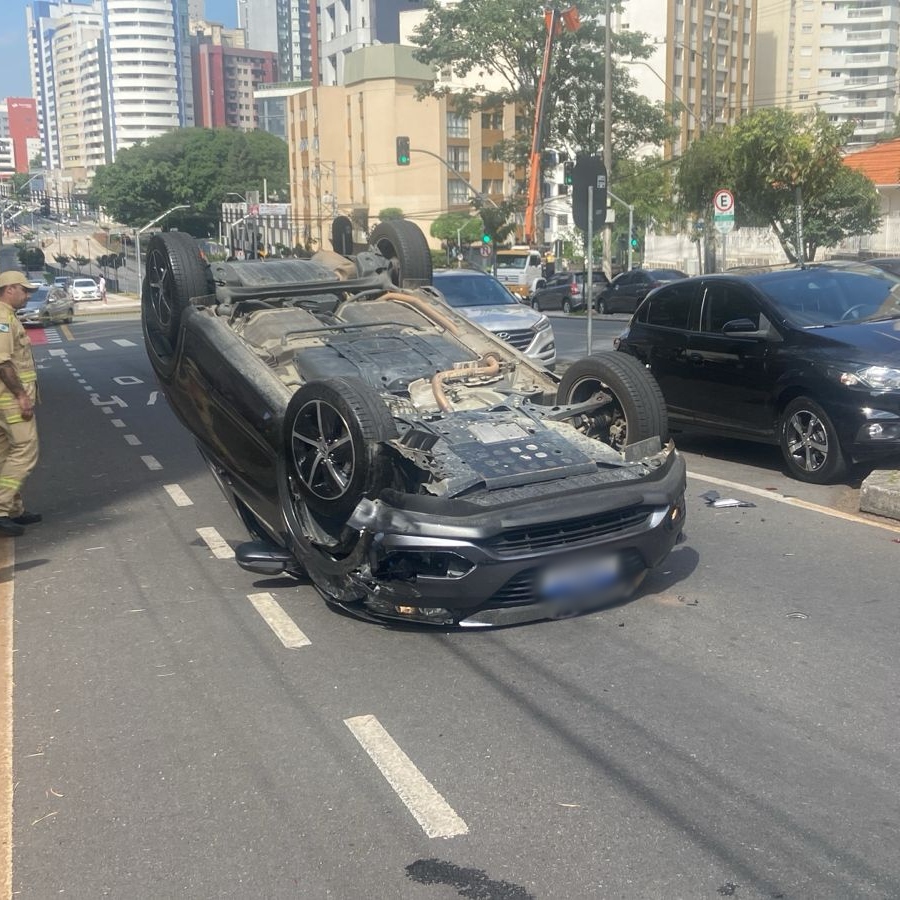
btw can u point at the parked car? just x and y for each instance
(62, 281)
(481, 298)
(565, 291)
(627, 289)
(890, 264)
(85, 289)
(805, 358)
(412, 464)
(48, 305)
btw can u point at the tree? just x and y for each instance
(80, 261)
(774, 161)
(195, 166)
(504, 39)
(62, 260)
(391, 213)
(457, 226)
(31, 258)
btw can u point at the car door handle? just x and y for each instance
(696, 359)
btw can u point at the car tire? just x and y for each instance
(601, 306)
(174, 273)
(334, 435)
(638, 410)
(566, 306)
(404, 246)
(536, 305)
(809, 443)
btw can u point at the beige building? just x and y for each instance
(342, 144)
(838, 57)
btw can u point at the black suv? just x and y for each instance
(565, 291)
(805, 358)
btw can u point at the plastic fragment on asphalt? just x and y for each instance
(713, 499)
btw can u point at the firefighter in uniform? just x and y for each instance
(18, 395)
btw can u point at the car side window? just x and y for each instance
(674, 306)
(724, 302)
(624, 279)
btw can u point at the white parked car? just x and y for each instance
(85, 289)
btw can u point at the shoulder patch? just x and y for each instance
(4, 326)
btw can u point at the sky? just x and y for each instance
(15, 80)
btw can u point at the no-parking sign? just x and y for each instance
(723, 211)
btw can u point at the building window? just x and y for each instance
(458, 157)
(457, 125)
(492, 120)
(457, 193)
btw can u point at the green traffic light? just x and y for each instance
(485, 239)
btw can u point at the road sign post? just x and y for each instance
(723, 216)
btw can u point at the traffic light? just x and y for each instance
(486, 239)
(569, 173)
(635, 243)
(402, 151)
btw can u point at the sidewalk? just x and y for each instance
(114, 303)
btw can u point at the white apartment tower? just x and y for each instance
(283, 27)
(840, 56)
(148, 69)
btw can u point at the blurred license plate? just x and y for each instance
(580, 578)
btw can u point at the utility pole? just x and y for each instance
(607, 141)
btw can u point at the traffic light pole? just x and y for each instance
(456, 174)
(630, 209)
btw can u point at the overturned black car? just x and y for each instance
(413, 465)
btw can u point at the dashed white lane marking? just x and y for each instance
(122, 342)
(132, 439)
(91, 347)
(430, 809)
(279, 621)
(58, 353)
(118, 423)
(152, 400)
(82, 380)
(216, 543)
(152, 463)
(794, 501)
(179, 497)
(87, 387)
(106, 409)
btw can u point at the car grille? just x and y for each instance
(522, 589)
(520, 339)
(560, 535)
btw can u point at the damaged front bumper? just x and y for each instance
(518, 564)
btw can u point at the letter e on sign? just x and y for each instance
(723, 202)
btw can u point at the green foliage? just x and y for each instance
(391, 214)
(196, 166)
(768, 160)
(456, 226)
(62, 260)
(80, 261)
(505, 38)
(31, 258)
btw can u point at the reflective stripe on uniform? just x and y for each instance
(7, 482)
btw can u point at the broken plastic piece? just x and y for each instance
(713, 499)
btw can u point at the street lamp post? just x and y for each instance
(137, 240)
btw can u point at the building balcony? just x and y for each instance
(837, 15)
(848, 61)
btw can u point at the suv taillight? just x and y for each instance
(574, 290)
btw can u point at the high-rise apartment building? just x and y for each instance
(841, 57)
(148, 69)
(44, 18)
(284, 27)
(348, 25)
(23, 130)
(225, 79)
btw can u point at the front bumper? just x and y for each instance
(505, 567)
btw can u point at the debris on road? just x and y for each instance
(713, 499)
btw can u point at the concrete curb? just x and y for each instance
(114, 303)
(879, 493)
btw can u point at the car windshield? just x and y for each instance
(473, 290)
(37, 298)
(84, 283)
(817, 297)
(511, 261)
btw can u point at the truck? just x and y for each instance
(519, 268)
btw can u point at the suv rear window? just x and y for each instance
(673, 306)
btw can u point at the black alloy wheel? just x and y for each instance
(809, 443)
(638, 410)
(335, 434)
(567, 306)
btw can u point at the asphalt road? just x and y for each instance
(733, 731)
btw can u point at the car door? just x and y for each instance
(550, 297)
(615, 298)
(658, 336)
(731, 372)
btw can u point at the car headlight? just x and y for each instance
(542, 324)
(879, 378)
